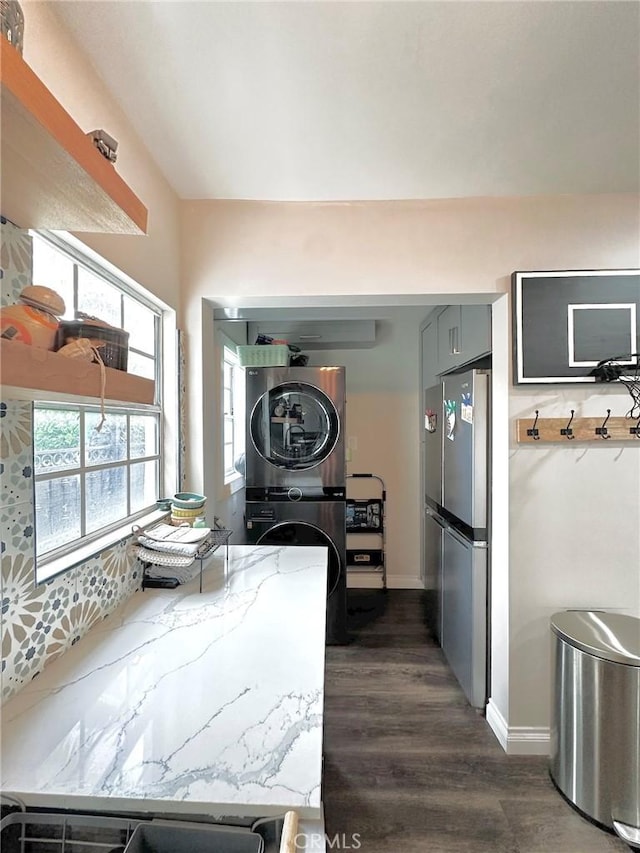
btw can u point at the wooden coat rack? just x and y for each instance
(529, 430)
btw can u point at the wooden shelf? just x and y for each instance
(32, 373)
(52, 174)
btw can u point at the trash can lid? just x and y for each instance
(611, 636)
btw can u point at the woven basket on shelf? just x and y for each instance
(274, 355)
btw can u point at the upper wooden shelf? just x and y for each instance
(32, 373)
(52, 174)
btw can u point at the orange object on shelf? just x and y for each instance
(32, 320)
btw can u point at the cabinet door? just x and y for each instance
(429, 351)
(449, 338)
(475, 331)
(432, 571)
(464, 614)
(316, 335)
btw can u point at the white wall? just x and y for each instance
(153, 260)
(575, 532)
(382, 430)
(239, 251)
(247, 249)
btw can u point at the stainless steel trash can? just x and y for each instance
(595, 721)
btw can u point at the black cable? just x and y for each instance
(610, 370)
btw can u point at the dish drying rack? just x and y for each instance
(66, 832)
(214, 540)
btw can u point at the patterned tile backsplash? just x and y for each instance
(38, 623)
(15, 261)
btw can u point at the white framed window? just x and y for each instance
(88, 288)
(233, 415)
(88, 481)
(93, 478)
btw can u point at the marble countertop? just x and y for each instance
(183, 702)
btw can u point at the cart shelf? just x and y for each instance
(366, 516)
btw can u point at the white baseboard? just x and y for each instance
(497, 724)
(404, 582)
(363, 580)
(517, 740)
(373, 580)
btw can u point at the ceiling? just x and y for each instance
(375, 100)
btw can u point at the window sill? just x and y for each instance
(49, 569)
(231, 487)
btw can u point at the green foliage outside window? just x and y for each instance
(55, 430)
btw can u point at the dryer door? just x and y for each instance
(294, 426)
(302, 533)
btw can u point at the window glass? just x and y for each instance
(107, 445)
(139, 321)
(98, 298)
(56, 437)
(52, 268)
(106, 497)
(144, 485)
(143, 439)
(239, 392)
(233, 391)
(140, 365)
(228, 459)
(58, 507)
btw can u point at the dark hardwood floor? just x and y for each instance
(410, 767)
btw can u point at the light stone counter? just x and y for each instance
(185, 703)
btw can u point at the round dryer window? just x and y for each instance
(294, 426)
(302, 533)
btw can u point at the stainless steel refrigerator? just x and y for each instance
(456, 456)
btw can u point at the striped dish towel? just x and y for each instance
(183, 549)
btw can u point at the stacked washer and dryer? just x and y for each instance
(295, 469)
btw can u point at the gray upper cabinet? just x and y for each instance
(476, 331)
(449, 338)
(464, 334)
(429, 351)
(312, 334)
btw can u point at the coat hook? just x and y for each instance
(567, 430)
(533, 432)
(602, 430)
(636, 429)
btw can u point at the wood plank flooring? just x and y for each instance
(410, 767)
